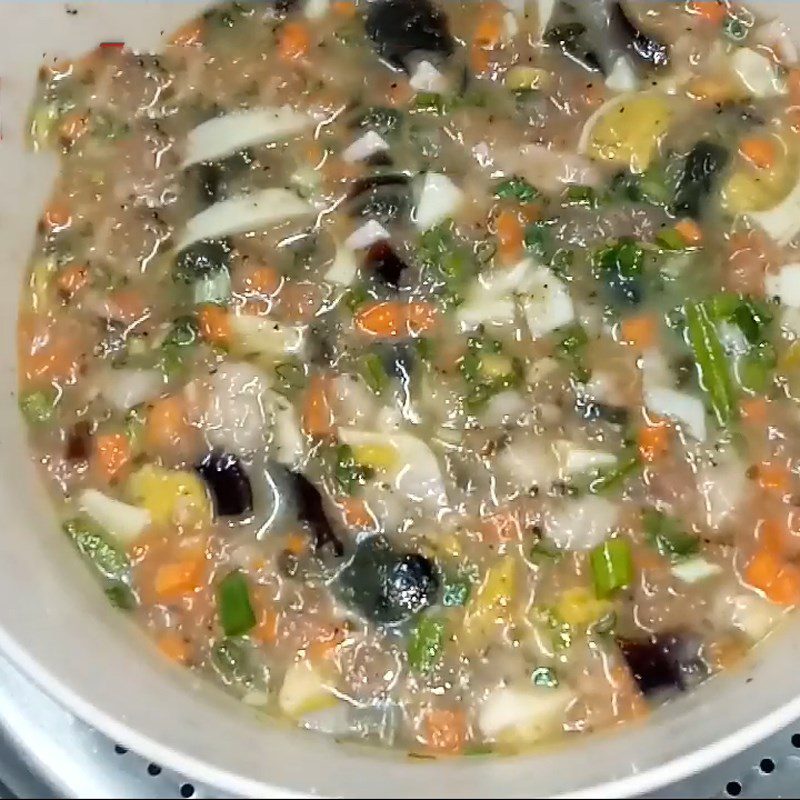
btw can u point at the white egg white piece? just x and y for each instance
(122, 520)
(546, 302)
(245, 213)
(439, 198)
(366, 235)
(221, 136)
(368, 144)
(687, 409)
(784, 285)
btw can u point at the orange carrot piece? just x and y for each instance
(760, 152)
(262, 280)
(57, 216)
(774, 478)
(317, 410)
(689, 231)
(326, 643)
(654, 442)
(178, 578)
(215, 324)
(445, 731)
(772, 534)
(112, 456)
(296, 543)
(356, 513)
(712, 11)
(640, 331)
(294, 41)
(127, 306)
(510, 235)
(174, 647)
(344, 8)
(754, 410)
(72, 279)
(394, 319)
(489, 30)
(778, 579)
(266, 629)
(189, 34)
(167, 426)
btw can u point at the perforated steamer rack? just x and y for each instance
(45, 752)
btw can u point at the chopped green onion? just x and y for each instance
(582, 196)
(670, 239)
(120, 596)
(233, 599)
(612, 567)
(545, 676)
(39, 407)
(94, 544)
(430, 102)
(355, 297)
(543, 552)
(613, 477)
(374, 373)
(516, 189)
(348, 472)
(667, 536)
(425, 645)
(424, 347)
(538, 240)
(712, 365)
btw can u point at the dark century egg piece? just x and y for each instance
(228, 482)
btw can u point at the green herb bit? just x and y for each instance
(120, 596)
(94, 544)
(456, 593)
(667, 535)
(39, 407)
(516, 189)
(291, 376)
(712, 364)
(374, 373)
(615, 476)
(612, 567)
(429, 102)
(348, 472)
(426, 644)
(233, 600)
(582, 196)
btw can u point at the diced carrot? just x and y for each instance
(215, 324)
(317, 410)
(445, 731)
(72, 279)
(689, 231)
(754, 410)
(112, 456)
(760, 152)
(420, 318)
(296, 543)
(771, 533)
(167, 426)
(778, 579)
(127, 306)
(266, 629)
(49, 351)
(326, 643)
(478, 58)
(394, 319)
(356, 513)
(174, 647)
(72, 127)
(178, 578)
(489, 30)
(712, 11)
(640, 331)
(57, 216)
(261, 280)
(189, 34)
(654, 442)
(294, 41)
(344, 8)
(774, 478)
(503, 526)
(510, 235)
